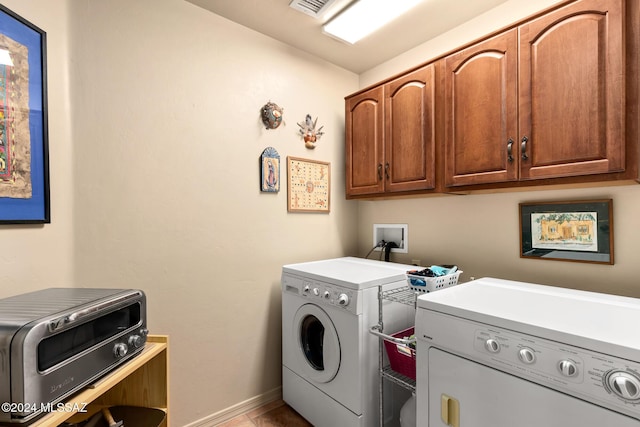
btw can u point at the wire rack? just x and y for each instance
(404, 295)
(401, 380)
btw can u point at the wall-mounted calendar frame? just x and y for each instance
(308, 185)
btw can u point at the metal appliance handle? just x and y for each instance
(76, 316)
(375, 330)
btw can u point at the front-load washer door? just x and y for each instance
(318, 349)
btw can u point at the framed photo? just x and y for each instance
(270, 170)
(308, 185)
(580, 231)
(24, 157)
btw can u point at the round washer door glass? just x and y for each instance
(318, 344)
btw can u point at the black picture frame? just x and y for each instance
(553, 231)
(25, 128)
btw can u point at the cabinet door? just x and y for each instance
(572, 99)
(409, 162)
(481, 112)
(364, 139)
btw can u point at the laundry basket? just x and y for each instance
(402, 357)
(429, 284)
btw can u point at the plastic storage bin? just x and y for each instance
(429, 284)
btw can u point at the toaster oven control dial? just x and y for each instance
(120, 350)
(135, 341)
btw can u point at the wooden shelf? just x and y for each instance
(143, 381)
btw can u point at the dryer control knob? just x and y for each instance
(316, 291)
(568, 368)
(343, 299)
(326, 294)
(623, 384)
(527, 355)
(306, 289)
(492, 345)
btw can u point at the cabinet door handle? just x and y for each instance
(523, 147)
(386, 170)
(510, 150)
(380, 171)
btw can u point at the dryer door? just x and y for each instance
(318, 351)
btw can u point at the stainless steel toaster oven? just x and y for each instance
(55, 341)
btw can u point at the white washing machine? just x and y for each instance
(501, 353)
(329, 358)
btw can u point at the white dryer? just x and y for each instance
(329, 358)
(500, 353)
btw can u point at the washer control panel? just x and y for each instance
(321, 293)
(593, 376)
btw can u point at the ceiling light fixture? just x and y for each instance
(363, 17)
(5, 58)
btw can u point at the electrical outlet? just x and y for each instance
(396, 233)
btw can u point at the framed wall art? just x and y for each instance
(270, 170)
(24, 163)
(580, 231)
(308, 185)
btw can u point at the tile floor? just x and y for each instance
(274, 414)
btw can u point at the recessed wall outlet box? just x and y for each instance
(397, 233)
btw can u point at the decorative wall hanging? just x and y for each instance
(24, 162)
(270, 170)
(308, 185)
(580, 231)
(271, 115)
(309, 133)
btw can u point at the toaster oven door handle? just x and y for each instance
(63, 321)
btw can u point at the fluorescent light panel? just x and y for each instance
(364, 17)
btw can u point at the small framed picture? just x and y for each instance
(580, 231)
(270, 170)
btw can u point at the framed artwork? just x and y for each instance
(580, 231)
(24, 162)
(270, 170)
(308, 185)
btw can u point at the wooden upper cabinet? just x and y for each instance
(390, 136)
(481, 112)
(364, 143)
(410, 132)
(544, 100)
(572, 91)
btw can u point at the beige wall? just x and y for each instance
(480, 232)
(155, 182)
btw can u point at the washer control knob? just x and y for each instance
(568, 368)
(120, 350)
(624, 385)
(306, 289)
(316, 291)
(343, 299)
(326, 294)
(135, 341)
(492, 345)
(527, 355)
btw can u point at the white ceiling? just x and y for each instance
(276, 19)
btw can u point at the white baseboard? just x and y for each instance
(238, 409)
